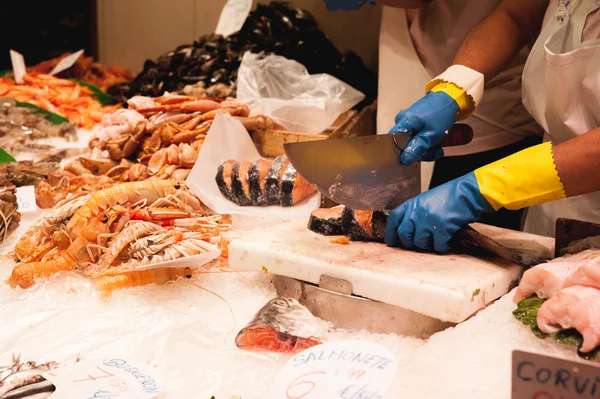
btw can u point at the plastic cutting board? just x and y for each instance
(446, 287)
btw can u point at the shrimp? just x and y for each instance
(24, 274)
(35, 236)
(107, 284)
(130, 233)
(146, 190)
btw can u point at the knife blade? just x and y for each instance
(364, 172)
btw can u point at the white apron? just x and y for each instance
(561, 90)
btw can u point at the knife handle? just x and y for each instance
(460, 134)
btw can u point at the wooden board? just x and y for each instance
(270, 143)
(446, 287)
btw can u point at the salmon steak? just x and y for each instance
(326, 221)
(257, 179)
(263, 183)
(224, 178)
(293, 187)
(283, 325)
(240, 186)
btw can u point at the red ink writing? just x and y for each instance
(294, 390)
(91, 378)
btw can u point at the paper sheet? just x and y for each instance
(228, 139)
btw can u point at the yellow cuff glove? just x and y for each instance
(526, 178)
(464, 101)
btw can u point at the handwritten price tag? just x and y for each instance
(26, 199)
(344, 369)
(18, 65)
(66, 63)
(233, 16)
(115, 378)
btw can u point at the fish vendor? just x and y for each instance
(418, 41)
(561, 86)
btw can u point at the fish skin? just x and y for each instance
(283, 325)
(326, 221)
(25, 377)
(573, 307)
(37, 390)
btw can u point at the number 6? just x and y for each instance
(297, 383)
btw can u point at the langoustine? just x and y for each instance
(88, 226)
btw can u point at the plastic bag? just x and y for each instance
(290, 96)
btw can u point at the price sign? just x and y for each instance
(544, 377)
(233, 16)
(26, 199)
(114, 378)
(66, 63)
(344, 369)
(18, 65)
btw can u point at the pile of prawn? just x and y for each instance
(155, 138)
(117, 235)
(61, 96)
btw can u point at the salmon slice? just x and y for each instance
(223, 178)
(326, 221)
(282, 325)
(364, 225)
(240, 187)
(573, 307)
(273, 180)
(257, 179)
(547, 279)
(293, 187)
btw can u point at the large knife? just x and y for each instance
(365, 172)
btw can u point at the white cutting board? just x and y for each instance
(446, 287)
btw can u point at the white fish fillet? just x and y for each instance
(587, 276)
(573, 307)
(547, 279)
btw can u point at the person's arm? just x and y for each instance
(404, 3)
(498, 38)
(539, 174)
(578, 163)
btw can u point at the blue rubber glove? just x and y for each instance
(428, 120)
(346, 5)
(428, 221)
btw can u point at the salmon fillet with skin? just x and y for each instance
(573, 307)
(547, 279)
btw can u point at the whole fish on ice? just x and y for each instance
(282, 325)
